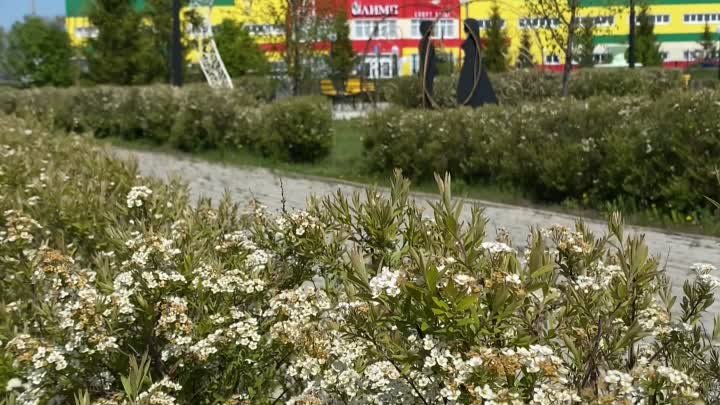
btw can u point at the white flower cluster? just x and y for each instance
(297, 309)
(157, 394)
(226, 282)
(497, 247)
(654, 320)
(567, 241)
(137, 195)
(175, 326)
(703, 271)
(620, 383)
(599, 277)
(304, 222)
(18, 227)
(386, 281)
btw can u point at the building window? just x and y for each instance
(663, 55)
(485, 24)
(701, 18)
(86, 32)
(444, 28)
(364, 29)
(552, 59)
(536, 23)
(598, 21)
(660, 19)
(692, 55)
(602, 58)
(263, 30)
(415, 63)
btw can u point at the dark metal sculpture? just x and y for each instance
(474, 87)
(428, 67)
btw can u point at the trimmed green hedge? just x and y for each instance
(642, 153)
(191, 119)
(532, 85)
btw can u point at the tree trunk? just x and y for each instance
(567, 69)
(631, 37)
(176, 47)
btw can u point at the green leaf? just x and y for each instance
(466, 303)
(431, 278)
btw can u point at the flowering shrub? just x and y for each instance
(193, 118)
(520, 86)
(115, 290)
(655, 154)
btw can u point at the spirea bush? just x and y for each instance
(193, 118)
(520, 86)
(655, 154)
(116, 290)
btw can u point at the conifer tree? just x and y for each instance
(648, 50)
(496, 44)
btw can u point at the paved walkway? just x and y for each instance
(678, 251)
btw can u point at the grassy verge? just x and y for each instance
(346, 163)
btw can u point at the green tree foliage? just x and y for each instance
(132, 46)
(239, 51)
(585, 43)
(496, 44)
(3, 47)
(525, 57)
(648, 50)
(37, 52)
(342, 56)
(113, 55)
(708, 43)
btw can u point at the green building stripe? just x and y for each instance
(616, 3)
(80, 8)
(686, 37)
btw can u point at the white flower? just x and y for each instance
(386, 281)
(513, 279)
(702, 268)
(13, 384)
(712, 281)
(497, 247)
(463, 279)
(137, 195)
(485, 393)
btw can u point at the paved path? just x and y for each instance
(678, 251)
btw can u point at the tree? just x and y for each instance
(113, 55)
(38, 52)
(708, 44)
(496, 43)
(648, 50)
(239, 51)
(525, 57)
(342, 56)
(558, 20)
(132, 47)
(585, 43)
(306, 25)
(3, 48)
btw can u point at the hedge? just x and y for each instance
(533, 85)
(191, 119)
(656, 154)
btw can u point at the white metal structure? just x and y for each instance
(210, 61)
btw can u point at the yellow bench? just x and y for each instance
(368, 87)
(327, 88)
(353, 87)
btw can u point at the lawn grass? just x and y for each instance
(345, 163)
